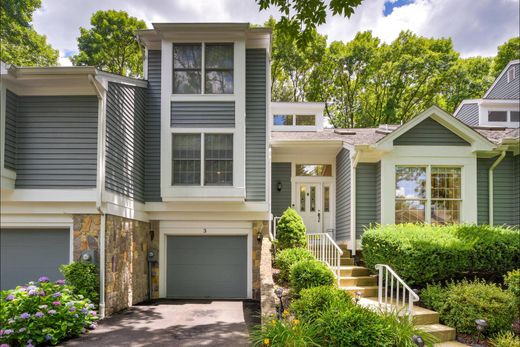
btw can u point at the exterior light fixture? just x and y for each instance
(259, 236)
(482, 324)
(279, 186)
(359, 295)
(279, 294)
(85, 257)
(418, 340)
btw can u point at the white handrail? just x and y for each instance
(323, 247)
(408, 296)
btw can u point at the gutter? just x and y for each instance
(490, 191)
(354, 158)
(99, 190)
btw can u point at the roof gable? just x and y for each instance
(430, 133)
(505, 86)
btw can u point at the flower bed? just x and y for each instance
(43, 313)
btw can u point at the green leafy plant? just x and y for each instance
(288, 257)
(43, 313)
(84, 279)
(505, 339)
(310, 273)
(313, 301)
(403, 329)
(290, 231)
(434, 296)
(285, 333)
(512, 281)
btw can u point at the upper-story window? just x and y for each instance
(298, 119)
(503, 116)
(203, 68)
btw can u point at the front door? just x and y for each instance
(309, 204)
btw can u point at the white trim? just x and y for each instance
(512, 62)
(297, 108)
(508, 107)
(203, 97)
(50, 195)
(208, 228)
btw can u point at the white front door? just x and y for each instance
(309, 205)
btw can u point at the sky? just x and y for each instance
(477, 27)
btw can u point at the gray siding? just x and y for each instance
(56, 142)
(125, 132)
(506, 193)
(429, 133)
(11, 105)
(468, 114)
(280, 200)
(152, 160)
(366, 196)
(378, 192)
(256, 114)
(343, 179)
(206, 114)
(504, 89)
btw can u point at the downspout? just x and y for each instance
(99, 191)
(354, 161)
(490, 176)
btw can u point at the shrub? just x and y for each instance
(43, 312)
(467, 301)
(288, 257)
(310, 273)
(422, 254)
(434, 296)
(285, 333)
(403, 329)
(84, 278)
(290, 230)
(315, 300)
(505, 339)
(512, 281)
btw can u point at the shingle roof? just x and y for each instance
(497, 135)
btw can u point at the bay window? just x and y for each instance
(428, 194)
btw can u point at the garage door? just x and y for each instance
(27, 254)
(206, 267)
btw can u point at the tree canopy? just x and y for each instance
(510, 50)
(20, 44)
(111, 44)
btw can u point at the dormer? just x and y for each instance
(297, 116)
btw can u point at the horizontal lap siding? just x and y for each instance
(343, 179)
(203, 114)
(11, 105)
(280, 200)
(152, 179)
(504, 89)
(483, 165)
(57, 141)
(256, 113)
(429, 133)
(366, 196)
(125, 147)
(468, 114)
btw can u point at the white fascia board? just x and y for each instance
(297, 107)
(109, 77)
(207, 206)
(50, 195)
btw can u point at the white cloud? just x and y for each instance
(477, 27)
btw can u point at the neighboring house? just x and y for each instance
(193, 162)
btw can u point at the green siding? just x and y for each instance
(429, 133)
(366, 196)
(506, 191)
(280, 200)
(343, 179)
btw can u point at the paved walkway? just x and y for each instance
(176, 323)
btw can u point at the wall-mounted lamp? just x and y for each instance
(279, 186)
(259, 236)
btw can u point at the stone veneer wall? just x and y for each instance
(263, 227)
(267, 296)
(86, 234)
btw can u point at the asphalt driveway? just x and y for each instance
(176, 323)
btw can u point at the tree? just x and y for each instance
(20, 44)
(111, 44)
(300, 18)
(508, 51)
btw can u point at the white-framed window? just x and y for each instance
(203, 68)
(316, 170)
(503, 116)
(428, 194)
(294, 119)
(202, 159)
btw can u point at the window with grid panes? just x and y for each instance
(186, 159)
(218, 159)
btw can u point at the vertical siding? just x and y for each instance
(256, 115)
(56, 142)
(366, 196)
(429, 133)
(203, 114)
(280, 200)
(504, 89)
(11, 105)
(468, 114)
(343, 179)
(152, 160)
(125, 132)
(505, 191)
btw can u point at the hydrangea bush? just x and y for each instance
(43, 313)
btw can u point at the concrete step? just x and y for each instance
(352, 281)
(441, 332)
(421, 315)
(366, 291)
(450, 344)
(346, 252)
(351, 270)
(346, 261)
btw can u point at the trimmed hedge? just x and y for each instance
(288, 257)
(422, 254)
(310, 273)
(313, 301)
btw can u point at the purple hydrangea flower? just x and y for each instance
(8, 331)
(48, 337)
(43, 279)
(93, 313)
(92, 326)
(60, 282)
(84, 310)
(76, 315)
(29, 288)
(39, 314)
(56, 303)
(56, 295)
(51, 312)
(91, 306)
(72, 309)
(4, 345)
(32, 292)
(21, 330)
(10, 297)
(70, 303)
(25, 315)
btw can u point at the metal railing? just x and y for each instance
(323, 247)
(397, 295)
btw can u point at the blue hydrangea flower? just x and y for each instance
(72, 309)
(84, 310)
(76, 315)
(10, 297)
(91, 306)
(60, 282)
(25, 315)
(39, 314)
(29, 288)
(43, 279)
(8, 331)
(48, 337)
(32, 292)
(56, 295)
